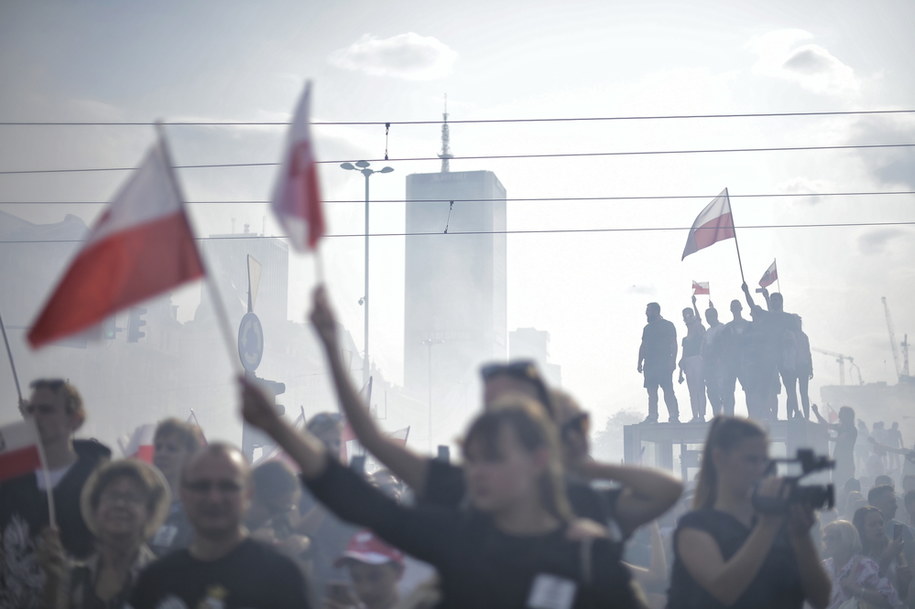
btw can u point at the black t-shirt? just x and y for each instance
(776, 585)
(445, 487)
(480, 566)
(659, 344)
(252, 576)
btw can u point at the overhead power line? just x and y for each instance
(772, 195)
(498, 156)
(452, 122)
(548, 231)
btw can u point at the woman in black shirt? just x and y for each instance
(728, 555)
(511, 549)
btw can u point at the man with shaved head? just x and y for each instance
(223, 567)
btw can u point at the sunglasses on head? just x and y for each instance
(522, 368)
(52, 384)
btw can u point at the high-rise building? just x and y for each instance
(455, 295)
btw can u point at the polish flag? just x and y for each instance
(20, 452)
(400, 435)
(713, 224)
(296, 194)
(770, 276)
(347, 437)
(142, 443)
(141, 245)
(701, 288)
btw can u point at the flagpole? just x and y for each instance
(9, 352)
(778, 282)
(219, 306)
(736, 245)
(49, 490)
(319, 264)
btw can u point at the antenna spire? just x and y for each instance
(446, 155)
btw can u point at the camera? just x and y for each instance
(816, 496)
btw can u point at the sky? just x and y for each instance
(233, 61)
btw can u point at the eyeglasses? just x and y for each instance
(129, 498)
(205, 486)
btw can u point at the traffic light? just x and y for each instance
(135, 322)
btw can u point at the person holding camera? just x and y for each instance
(729, 553)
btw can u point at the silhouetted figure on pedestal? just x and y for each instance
(713, 360)
(657, 359)
(733, 356)
(787, 328)
(761, 382)
(691, 362)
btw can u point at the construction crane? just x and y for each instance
(841, 359)
(902, 371)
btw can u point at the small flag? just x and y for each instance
(770, 276)
(20, 452)
(713, 224)
(296, 195)
(701, 288)
(142, 443)
(400, 435)
(141, 246)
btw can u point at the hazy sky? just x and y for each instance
(393, 61)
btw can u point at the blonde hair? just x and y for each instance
(725, 433)
(847, 533)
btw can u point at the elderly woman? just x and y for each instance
(853, 574)
(123, 503)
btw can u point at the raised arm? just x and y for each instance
(406, 464)
(647, 492)
(747, 295)
(426, 533)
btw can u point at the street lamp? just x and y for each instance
(363, 167)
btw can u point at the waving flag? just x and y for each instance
(20, 452)
(701, 288)
(713, 224)
(296, 195)
(141, 246)
(770, 276)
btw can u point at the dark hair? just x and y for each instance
(73, 401)
(323, 422)
(534, 431)
(858, 520)
(189, 435)
(273, 480)
(525, 370)
(874, 495)
(725, 433)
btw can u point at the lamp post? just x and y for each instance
(363, 168)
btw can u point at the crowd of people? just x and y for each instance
(766, 353)
(526, 518)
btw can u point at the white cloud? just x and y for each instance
(789, 55)
(408, 56)
(877, 241)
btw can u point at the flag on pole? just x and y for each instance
(701, 288)
(400, 435)
(141, 245)
(770, 276)
(296, 195)
(192, 420)
(142, 445)
(713, 224)
(20, 452)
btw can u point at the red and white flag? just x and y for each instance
(400, 435)
(20, 452)
(701, 288)
(770, 276)
(713, 224)
(296, 194)
(142, 443)
(141, 245)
